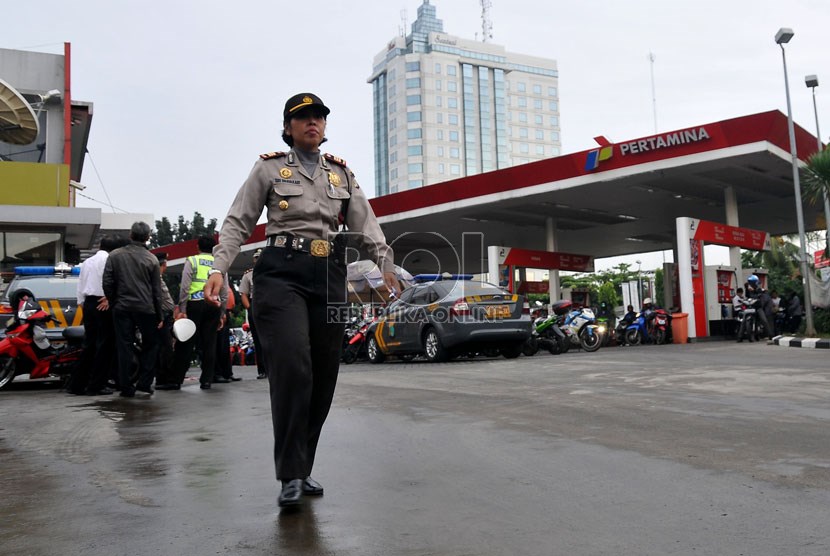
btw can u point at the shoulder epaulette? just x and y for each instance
(335, 159)
(268, 156)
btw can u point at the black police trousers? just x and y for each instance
(298, 298)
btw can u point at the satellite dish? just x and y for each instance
(18, 123)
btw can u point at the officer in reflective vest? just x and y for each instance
(205, 316)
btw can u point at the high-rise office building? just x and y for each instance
(446, 107)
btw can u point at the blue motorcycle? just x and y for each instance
(637, 332)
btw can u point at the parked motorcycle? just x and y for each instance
(747, 320)
(354, 341)
(580, 328)
(27, 350)
(661, 327)
(637, 332)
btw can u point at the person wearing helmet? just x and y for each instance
(763, 306)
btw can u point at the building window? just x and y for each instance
(453, 119)
(521, 87)
(537, 89)
(393, 139)
(415, 183)
(393, 123)
(523, 117)
(455, 170)
(454, 136)
(452, 70)
(415, 150)
(415, 168)
(524, 148)
(452, 86)
(440, 167)
(439, 117)
(413, 133)
(393, 174)
(537, 104)
(522, 102)
(393, 91)
(554, 121)
(551, 91)
(438, 68)
(413, 83)
(440, 151)
(439, 101)
(540, 149)
(393, 157)
(554, 136)
(452, 102)
(413, 116)
(554, 151)
(455, 152)
(540, 134)
(437, 84)
(393, 107)
(554, 106)
(413, 100)
(538, 119)
(413, 66)
(523, 132)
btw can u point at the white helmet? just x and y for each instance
(183, 329)
(647, 301)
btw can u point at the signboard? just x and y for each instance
(820, 260)
(527, 258)
(732, 236)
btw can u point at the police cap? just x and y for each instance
(301, 101)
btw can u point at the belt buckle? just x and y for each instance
(279, 241)
(319, 248)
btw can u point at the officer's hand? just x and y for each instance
(212, 287)
(392, 284)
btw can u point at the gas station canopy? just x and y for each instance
(618, 199)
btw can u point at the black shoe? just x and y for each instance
(741, 340)
(100, 392)
(148, 391)
(205, 386)
(312, 487)
(220, 380)
(261, 375)
(291, 493)
(168, 387)
(127, 393)
(236, 378)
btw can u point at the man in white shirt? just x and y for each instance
(99, 336)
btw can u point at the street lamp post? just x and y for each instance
(812, 82)
(639, 286)
(782, 37)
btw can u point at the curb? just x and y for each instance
(792, 341)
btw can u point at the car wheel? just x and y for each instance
(434, 350)
(373, 350)
(7, 370)
(633, 337)
(590, 342)
(512, 352)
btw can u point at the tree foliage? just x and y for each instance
(184, 230)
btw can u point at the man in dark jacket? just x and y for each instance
(132, 284)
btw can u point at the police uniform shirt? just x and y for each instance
(246, 285)
(300, 204)
(184, 288)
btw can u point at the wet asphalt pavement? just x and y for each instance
(704, 449)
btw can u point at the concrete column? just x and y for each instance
(493, 264)
(684, 273)
(730, 201)
(553, 279)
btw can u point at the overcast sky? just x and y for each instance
(187, 93)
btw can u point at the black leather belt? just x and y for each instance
(314, 247)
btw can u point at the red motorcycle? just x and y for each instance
(661, 327)
(26, 350)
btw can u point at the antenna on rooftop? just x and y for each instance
(486, 23)
(651, 59)
(402, 29)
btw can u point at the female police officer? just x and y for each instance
(300, 279)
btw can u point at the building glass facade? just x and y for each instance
(442, 102)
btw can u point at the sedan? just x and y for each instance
(442, 317)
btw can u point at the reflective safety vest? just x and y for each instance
(200, 265)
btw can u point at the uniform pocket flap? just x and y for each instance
(340, 193)
(288, 190)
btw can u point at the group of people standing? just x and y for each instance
(127, 304)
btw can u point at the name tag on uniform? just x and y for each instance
(283, 180)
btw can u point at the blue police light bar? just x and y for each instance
(46, 270)
(438, 277)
